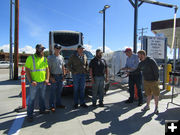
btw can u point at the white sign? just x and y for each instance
(155, 47)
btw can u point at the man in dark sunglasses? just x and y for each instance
(57, 73)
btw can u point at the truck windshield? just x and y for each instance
(67, 53)
(66, 39)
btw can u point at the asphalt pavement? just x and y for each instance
(115, 118)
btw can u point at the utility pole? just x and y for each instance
(135, 4)
(16, 40)
(103, 11)
(142, 34)
(10, 43)
(138, 3)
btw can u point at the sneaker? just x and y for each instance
(44, 112)
(156, 111)
(84, 105)
(29, 119)
(140, 104)
(146, 108)
(61, 106)
(128, 101)
(101, 105)
(76, 106)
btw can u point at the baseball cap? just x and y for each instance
(98, 50)
(57, 46)
(40, 46)
(128, 49)
(80, 46)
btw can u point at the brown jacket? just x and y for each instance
(76, 65)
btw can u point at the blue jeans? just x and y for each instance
(98, 89)
(135, 79)
(41, 88)
(56, 91)
(79, 81)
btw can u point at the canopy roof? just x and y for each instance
(166, 27)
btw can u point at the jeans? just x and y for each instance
(98, 89)
(79, 81)
(135, 79)
(56, 91)
(41, 88)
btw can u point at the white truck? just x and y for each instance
(69, 40)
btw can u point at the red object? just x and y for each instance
(135, 92)
(114, 83)
(67, 86)
(23, 86)
(128, 50)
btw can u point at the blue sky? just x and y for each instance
(38, 17)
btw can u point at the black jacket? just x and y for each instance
(149, 69)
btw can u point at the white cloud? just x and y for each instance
(27, 49)
(5, 48)
(30, 50)
(93, 51)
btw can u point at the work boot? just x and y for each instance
(101, 104)
(84, 105)
(94, 104)
(44, 112)
(128, 101)
(61, 106)
(76, 106)
(29, 119)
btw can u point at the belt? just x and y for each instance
(56, 74)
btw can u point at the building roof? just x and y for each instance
(166, 27)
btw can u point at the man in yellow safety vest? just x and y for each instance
(37, 72)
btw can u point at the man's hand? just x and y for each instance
(52, 80)
(92, 80)
(106, 79)
(34, 83)
(47, 82)
(63, 77)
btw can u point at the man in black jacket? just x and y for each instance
(150, 72)
(99, 74)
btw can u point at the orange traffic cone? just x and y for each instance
(135, 92)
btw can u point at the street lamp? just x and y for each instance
(103, 12)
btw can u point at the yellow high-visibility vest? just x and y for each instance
(37, 66)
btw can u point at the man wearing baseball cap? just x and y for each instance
(37, 72)
(78, 65)
(132, 62)
(57, 73)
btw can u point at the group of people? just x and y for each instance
(50, 72)
(42, 72)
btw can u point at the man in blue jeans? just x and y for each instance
(131, 65)
(37, 72)
(77, 65)
(99, 74)
(57, 73)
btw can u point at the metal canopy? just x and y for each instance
(166, 27)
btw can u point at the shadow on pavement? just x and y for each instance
(10, 82)
(169, 114)
(112, 113)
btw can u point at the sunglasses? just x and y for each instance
(40, 49)
(58, 48)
